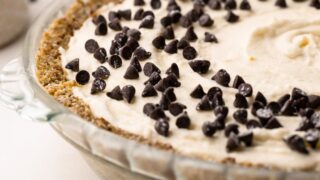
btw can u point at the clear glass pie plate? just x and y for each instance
(109, 155)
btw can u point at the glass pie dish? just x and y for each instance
(109, 155)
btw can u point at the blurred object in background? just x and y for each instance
(14, 18)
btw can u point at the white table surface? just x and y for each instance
(31, 150)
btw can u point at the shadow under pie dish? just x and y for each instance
(199, 90)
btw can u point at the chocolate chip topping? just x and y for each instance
(204, 104)
(185, 21)
(147, 22)
(222, 77)
(155, 4)
(240, 101)
(282, 100)
(115, 93)
(274, 107)
(183, 121)
(126, 52)
(101, 29)
(98, 86)
(233, 143)
(73, 65)
(176, 108)
(138, 15)
(115, 25)
(172, 5)
(197, 92)
(157, 113)
(101, 55)
(165, 21)
(169, 92)
(238, 80)
(219, 122)
(231, 17)
(273, 123)
(205, 20)
(221, 111)
(150, 68)
(101, 73)
(128, 93)
(230, 4)
(255, 106)
(264, 115)
(245, 89)
(159, 42)
(213, 91)
(190, 35)
(99, 19)
(134, 33)
(148, 13)
(136, 64)
(183, 43)
(281, 3)
(173, 69)
(208, 129)
(112, 15)
(121, 38)
(214, 4)
(149, 91)
(162, 127)
(288, 109)
(91, 46)
(133, 44)
(209, 37)
(172, 47)
(200, 66)
(82, 77)
(296, 143)
(164, 102)
(141, 54)
(260, 97)
(175, 16)
(245, 5)
(217, 100)
(168, 33)
(125, 14)
(115, 61)
(189, 53)
(241, 116)
(252, 124)
(131, 73)
(231, 128)
(154, 78)
(148, 108)
(246, 138)
(139, 2)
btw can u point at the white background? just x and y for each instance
(31, 150)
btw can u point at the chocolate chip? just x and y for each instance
(185, 21)
(121, 38)
(168, 33)
(274, 107)
(134, 33)
(246, 138)
(115, 25)
(101, 73)
(312, 138)
(305, 125)
(115, 61)
(148, 108)
(264, 115)
(214, 4)
(172, 47)
(204, 104)
(115, 94)
(208, 129)
(131, 73)
(162, 127)
(195, 13)
(238, 80)
(141, 54)
(91, 46)
(114, 48)
(200, 66)
(217, 100)
(189, 53)
(273, 123)
(230, 4)
(172, 5)
(125, 29)
(183, 43)
(231, 17)
(98, 86)
(245, 5)
(165, 21)
(101, 29)
(241, 116)
(219, 122)
(314, 101)
(260, 97)
(112, 15)
(282, 100)
(169, 92)
(162, 85)
(173, 69)
(128, 93)
(222, 77)
(73, 65)
(101, 55)
(245, 89)
(233, 143)
(296, 143)
(205, 20)
(175, 16)
(157, 113)
(126, 14)
(99, 19)
(133, 44)
(149, 68)
(190, 35)
(136, 64)
(147, 22)
(172, 80)
(155, 4)
(240, 101)
(164, 102)
(315, 4)
(148, 13)
(252, 124)
(138, 15)
(307, 112)
(197, 92)
(209, 37)
(281, 3)
(159, 42)
(126, 52)
(154, 78)
(139, 2)
(213, 91)
(255, 106)
(183, 121)
(231, 128)
(297, 94)
(82, 77)
(149, 91)
(176, 108)
(221, 110)
(287, 109)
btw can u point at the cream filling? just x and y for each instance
(273, 49)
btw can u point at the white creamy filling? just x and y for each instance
(273, 49)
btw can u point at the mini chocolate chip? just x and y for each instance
(172, 5)
(222, 77)
(219, 122)
(148, 108)
(115, 25)
(154, 78)
(126, 14)
(133, 44)
(134, 33)
(255, 106)
(296, 143)
(233, 143)
(221, 110)
(183, 43)
(147, 22)
(115, 61)
(209, 37)
(273, 123)
(264, 115)
(73, 65)
(168, 33)
(231, 128)
(172, 47)
(230, 4)
(149, 68)
(213, 91)
(208, 129)
(148, 13)
(101, 55)
(176, 108)
(288, 109)
(314, 101)
(138, 15)
(189, 53)
(136, 64)
(185, 21)
(195, 13)
(149, 91)
(260, 97)
(82, 77)
(162, 85)
(297, 94)
(115, 94)
(169, 92)
(241, 116)
(141, 54)
(121, 38)
(114, 48)
(214, 4)
(274, 107)
(281, 3)
(190, 35)
(159, 42)
(165, 21)
(245, 89)
(217, 100)
(112, 15)
(157, 113)
(245, 5)
(240, 101)
(91, 46)
(101, 73)
(101, 29)
(200, 66)
(98, 86)
(315, 4)
(246, 138)
(204, 104)
(305, 125)
(162, 127)
(175, 16)
(312, 138)
(198, 92)
(307, 112)
(172, 80)
(126, 52)
(139, 2)
(128, 93)
(99, 19)
(252, 124)
(183, 121)
(282, 100)
(155, 4)
(205, 20)
(238, 80)
(231, 17)
(131, 73)
(173, 69)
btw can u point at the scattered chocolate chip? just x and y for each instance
(126, 52)
(314, 101)
(312, 138)
(115, 25)
(305, 125)
(315, 4)
(112, 15)
(296, 143)
(217, 100)
(162, 85)
(183, 44)
(190, 35)
(154, 78)
(307, 112)
(208, 129)
(260, 97)
(141, 54)
(213, 91)
(205, 20)
(149, 68)
(172, 5)
(128, 93)
(238, 80)
(165, 21)
(185, 21)
(241, 116)
(255, 106)
(114, 48)
(176, 108)
(230, 4)
(101, 29)
(159, 42)
(157, 113)
(138, 15)
(264, 115)
(200, 66)
(73, 65)
(172, 80)
(204, 104)
(148, 13)
(245, 5)
(147, 22)
(168, 33)
(172, 47)
(221, 110)
(155, 4)
(173, 69)
(198, 92)
(99, 19)
(175, 16)
(98, 86)
(281, 3)
(149, 91)
(115, 94)
(169, 92)
(133, 44)
(195, 13)
(162, 127)
(139, 2)
(115, 61)
(189, 53)
(246, 138)
(240, 101)
(245, 89)
(273, 123)
(231, 17)
(231, 128)
(183, 121)
(134, 33)
(82, 77)
(101, 73)
(148, 108)
(131, 73)
(274, 107)
(136, 64)
(297, 94)
(219, 122)
(121, 39)
(91, 46)
(214, 4)
(209, 37)
(222, 77)
(287, 109)
(252, 124)
(101, 55)
(233, 143)
(126, 14)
